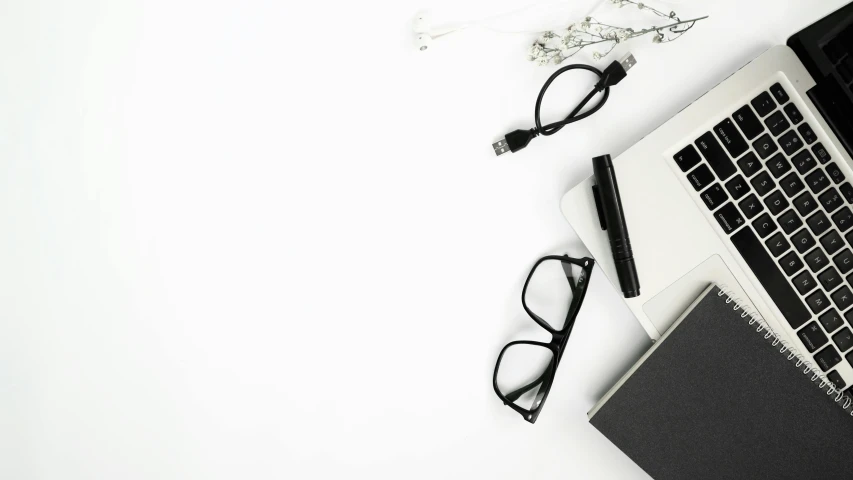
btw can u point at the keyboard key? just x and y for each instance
(748, 122)
(834, 173)
(770, 277)
(717, 158)
(843, 339)
(817, 181)
(830, 320)
(805, 204)
(829, 279)
(803, 241)
(804, 282)
(793, 113)
(836, 380)
(764, 225)
(763, 104)
(777, 123)
(714, 196)
(827, 358)
(729, 218)
(817, 301)
(791, 263)
(763, 184)
(804, 161)
(778, 165)
(847, 191)
(821, 153)
(818, 223)
(844, 261)
(777, 244)
(831, 242)
(701, 177)
(749, 164)
(842, 298)
(812, 336)
(731, 138)
(816, 260)
(765, 146)
(779, 93)
(776, 202)
(790, 142)
(843, 219)
(751, 206)
(849, 238)
(830, 200)
(737, 187)
(790, 221)
(687, 158)
(792, 184)
(807, 133)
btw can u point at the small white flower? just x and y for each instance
(657, 38)
(641, 6)
(536, 50)
(597, 56)
(558, 59)
(542, 62)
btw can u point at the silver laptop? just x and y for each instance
(750, 187)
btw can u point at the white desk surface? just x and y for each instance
(257, 240)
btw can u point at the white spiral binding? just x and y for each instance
(754, 318)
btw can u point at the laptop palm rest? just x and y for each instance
(665, 307)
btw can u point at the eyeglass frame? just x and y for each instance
(559, 338)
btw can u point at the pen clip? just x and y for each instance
(597, 198)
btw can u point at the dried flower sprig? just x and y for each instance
(552, 47)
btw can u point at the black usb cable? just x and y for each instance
(613, 74)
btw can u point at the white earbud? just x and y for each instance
(422, 23)
(421, 27)
(425, 34)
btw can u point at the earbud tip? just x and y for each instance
(423, 41)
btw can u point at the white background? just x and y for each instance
(268, 239)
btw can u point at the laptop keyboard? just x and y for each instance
(786, 208)
(839, 51)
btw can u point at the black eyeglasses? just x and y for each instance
(525, 369)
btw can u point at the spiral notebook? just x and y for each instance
(720, 397)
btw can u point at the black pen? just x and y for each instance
(612, 218)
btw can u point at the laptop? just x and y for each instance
(750, 187)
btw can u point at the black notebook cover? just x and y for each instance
(714, 399)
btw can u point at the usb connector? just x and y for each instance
(500, 147)
(628, 61)
(612, 75)
(514, 141)
(616, 71)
